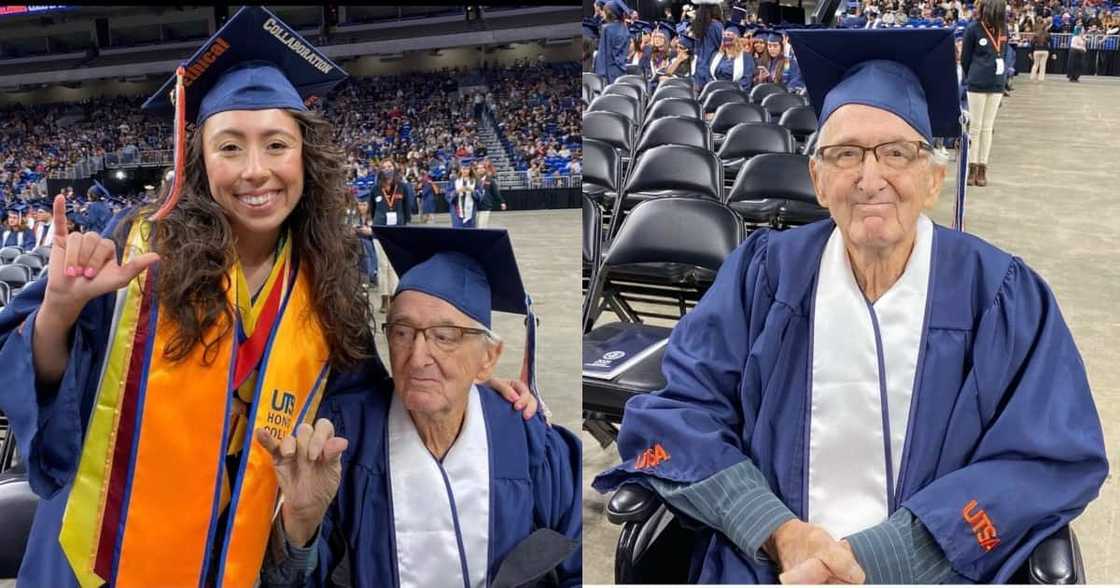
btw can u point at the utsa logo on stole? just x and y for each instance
(280, 417)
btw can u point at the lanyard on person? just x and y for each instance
(995, 45)
(391, 196)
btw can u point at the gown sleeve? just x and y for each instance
(692, 429)
(48, 421)
(1040, 457)
(556, 475)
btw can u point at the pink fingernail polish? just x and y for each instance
(71, 271)
(90, 272)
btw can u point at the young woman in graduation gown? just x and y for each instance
(731, 62)
(135, 373)
(464, 202)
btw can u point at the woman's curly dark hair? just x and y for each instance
(196, 247)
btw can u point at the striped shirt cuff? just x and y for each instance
(286, 564)
(737, 502)
(900, 550)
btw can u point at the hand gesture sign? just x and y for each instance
(84, 266)
(308, 469)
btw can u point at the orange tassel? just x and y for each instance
(180, 147)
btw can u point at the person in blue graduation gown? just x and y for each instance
(96, 215)
(707, 30)
(427, 198)
(15, 233)
(731, 62)
(873, 377)
(440, 484)
(464, 202)
(614, 41)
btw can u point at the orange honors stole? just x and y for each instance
(144, 506)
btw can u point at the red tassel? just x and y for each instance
(180, 147)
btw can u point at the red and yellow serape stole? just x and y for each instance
(146, 500)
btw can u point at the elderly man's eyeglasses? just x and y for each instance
(895, 154)
(445, 338)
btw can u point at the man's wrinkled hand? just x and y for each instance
(807, 554)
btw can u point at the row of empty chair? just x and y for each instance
(18, 268)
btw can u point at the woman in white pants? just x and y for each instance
(1041, 52)
(982, 59)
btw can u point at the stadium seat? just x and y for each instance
(801, 122)
(637, 81)
(761, 91)
(811, 143)
(669, 170)
(721, 97)
(776, 104)
(656, 547)
(672, 91)
(731, 114)
(610, 127)
(9, 254)
(675, 130)
(18, 503)
(5, 294)
(30, 260)
(44, 252)
(673, 107)
(16, 276)
(627, 106)
(683, 241)
(775, 190)
(717, 85)
(747, 140)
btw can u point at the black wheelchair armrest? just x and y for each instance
(1057, 560)
(632, 503)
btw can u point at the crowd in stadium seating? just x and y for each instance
(420, 120)
(540, 125)
(1090, 16)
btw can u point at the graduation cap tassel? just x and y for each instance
(962, 175)
(529, 364)
(180, 101)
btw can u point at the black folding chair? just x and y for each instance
(592, 243)
(594, 82)
(5, 294)
(761, 91)
(627, 106)
(675, 82)
(775, 190)
(30, 260)
(720, 97)
(801, 121)
(665, 91)
(675, 130)
(668, 170)
(717, 85)
(44, 253)
(626, 90)
(16, 276)
(731, 114)
(777, 104)
(747, 140)
(656, 546)
(611, 128)
(9, 254)
(682, 241)
(673, 107)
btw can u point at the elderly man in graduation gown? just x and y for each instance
(870, 397)
(440, 485)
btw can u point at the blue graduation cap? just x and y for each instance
(254, 62)
(474, 270)
(734, 29)
(908, 72)
(665, 29)
(42, 204)
(911, 73)
(639, 27)
(590, 28)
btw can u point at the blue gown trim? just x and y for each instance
(885, 409)
(458, 530)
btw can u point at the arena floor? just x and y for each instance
(1053, 200)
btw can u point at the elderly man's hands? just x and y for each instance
(308, 469)
(807, 554)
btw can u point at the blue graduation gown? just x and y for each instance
(610, 59)
(534, 484)
(24, 239)
(702, 55)
(1001, 413)
(96, 217)
(726, 71)
(455, 220)
(50, 425)
(427, 200)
